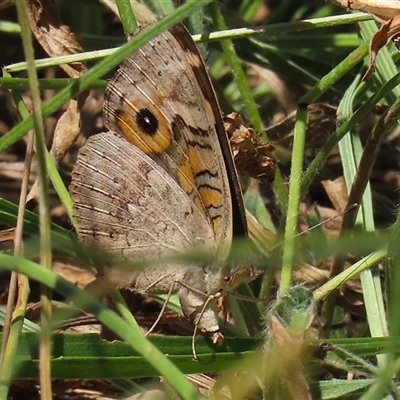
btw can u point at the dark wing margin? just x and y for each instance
(238, 210)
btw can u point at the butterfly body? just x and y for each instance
(162, 180)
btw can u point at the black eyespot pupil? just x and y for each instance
(147, 122)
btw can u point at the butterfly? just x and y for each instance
(162, 180)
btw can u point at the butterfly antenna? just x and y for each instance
(248, 298)
(160, 314)
(345, 211)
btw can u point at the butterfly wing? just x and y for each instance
(162, 101)
(126, 204)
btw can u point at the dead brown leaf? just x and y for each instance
(289, 349)
(56, 38)
(252, 158)
(380, 40)
(384, 11)
(67, 129)
(337, 192)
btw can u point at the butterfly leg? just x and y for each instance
(162, 310)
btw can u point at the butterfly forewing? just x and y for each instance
(167, 116)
